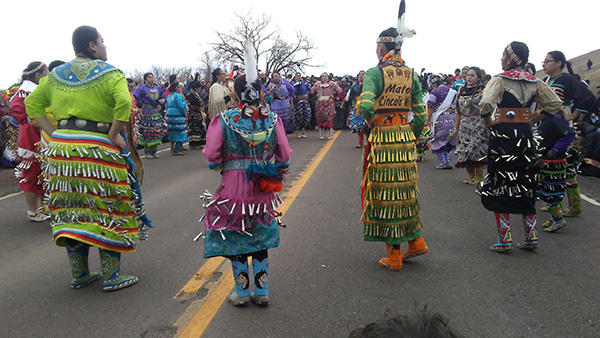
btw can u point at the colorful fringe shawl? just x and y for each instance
(389, 188)
(93, 192)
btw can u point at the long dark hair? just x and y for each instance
(558, 56)
(82, 36)
(214, 75)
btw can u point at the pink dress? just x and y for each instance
(240, 219)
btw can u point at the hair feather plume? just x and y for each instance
(403, 30)
(250, 62)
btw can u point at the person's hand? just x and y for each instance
(550, 154)
(370, 123)
(161, 101)
(453, 133)
(488, 122)
(159, 108)
(118, 140)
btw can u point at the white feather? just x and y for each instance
(250, 62)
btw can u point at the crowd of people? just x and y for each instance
(80, 169)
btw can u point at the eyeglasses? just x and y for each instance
(547, 61)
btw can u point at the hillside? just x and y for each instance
(579, 65)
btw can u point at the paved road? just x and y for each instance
(324, 280)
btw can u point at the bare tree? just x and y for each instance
(290, 56)
(136, 74)
(209, 62)
(279, 54)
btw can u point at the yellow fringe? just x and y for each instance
(396, 229)
(391, 134)
(392, 191)
(391, 210)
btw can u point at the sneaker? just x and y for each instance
(156, 156)
(36, 217)
(262, 300)
(179, 153)
(234, 300)
(149, 156)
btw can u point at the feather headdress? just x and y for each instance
(250, 95)
(402, 30)
(250, 62)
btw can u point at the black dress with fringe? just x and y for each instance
(510, 185)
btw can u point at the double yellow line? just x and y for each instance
(200, 313)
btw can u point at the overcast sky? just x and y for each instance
(450, 34)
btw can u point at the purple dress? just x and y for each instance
(441, 100)
(241, 219)
(280, 104)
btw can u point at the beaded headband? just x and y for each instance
(513, 56)
(34, 70)
(386, 39)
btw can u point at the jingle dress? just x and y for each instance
(510, 185)
(241, 219)
(578, 98)
(556, 137)
(151, 120)
(389, 187)
(301, 111)
(325, 105)
(92, 185)
(176, 111)
(473, 136)
(282, 93)
(29, 170)
(357, 122)
(197, 131)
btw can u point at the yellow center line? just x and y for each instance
(195, 328)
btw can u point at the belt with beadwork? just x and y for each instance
(238, 164)
(391, 118)
(74, 123)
